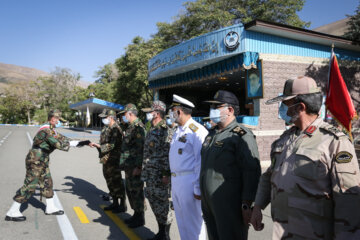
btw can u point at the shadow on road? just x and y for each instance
(89, 192)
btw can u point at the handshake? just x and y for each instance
(79, 143)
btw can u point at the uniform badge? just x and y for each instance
(343, 157)
(138, 135)
(183, 139)
(180, 151)
(239, 131)
(207, 141)
(193, 127)
(151, 144)
(310, 130)
(218, 144)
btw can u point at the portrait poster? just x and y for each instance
(254, 82)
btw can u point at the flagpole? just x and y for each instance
(328, 81)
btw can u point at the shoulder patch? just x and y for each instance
(239, 131)
(193, 127)
(343, 157)
(333, 130)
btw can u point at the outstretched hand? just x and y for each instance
(92, 144)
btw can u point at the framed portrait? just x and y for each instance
(254, 82)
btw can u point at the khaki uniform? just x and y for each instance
(313, 185)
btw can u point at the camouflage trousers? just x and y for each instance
(37, 173)
(158, 196)
(135, 191)
(114, 181)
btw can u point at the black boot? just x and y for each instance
(161, 234)
(129, 220)
(122, 208)
(138, 220)
(167, 232)
(113, 206)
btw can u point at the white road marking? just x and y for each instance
(4, 138)
(65, 226)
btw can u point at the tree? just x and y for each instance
(353, 31)
(204, 16)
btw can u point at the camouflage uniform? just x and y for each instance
(312, 184)
(131, 158)
(45, 142)
(155, 166)
(109, 153)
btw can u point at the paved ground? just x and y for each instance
(78, 182)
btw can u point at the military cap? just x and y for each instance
(180, 101)
(156, 106)
(294, 87)
(129, 107)
(56, 113)
(223, 96)
(107, 112)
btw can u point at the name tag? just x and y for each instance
(183, 139)
(218, 144)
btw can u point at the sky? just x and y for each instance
(83, 35)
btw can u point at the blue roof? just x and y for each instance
(97, 101)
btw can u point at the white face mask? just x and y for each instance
(216, 116)
(106, 121)
(149, 116)
(173, 116)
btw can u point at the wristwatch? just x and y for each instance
(244, 206)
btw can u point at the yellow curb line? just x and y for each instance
(123, 227)
(81, 215)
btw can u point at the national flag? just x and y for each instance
(338, 99)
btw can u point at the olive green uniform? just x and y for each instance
(230, 171)
(131, 158)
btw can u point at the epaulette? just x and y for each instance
(333, 130)
(193, 127)
(239, 130)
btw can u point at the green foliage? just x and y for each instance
(353, 32)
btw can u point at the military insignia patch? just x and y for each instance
(151, 144)
(343, 157)
(310, 130)
(182, 139)
(193, 127)
(239, 131)
(180, 151)
(218, 144)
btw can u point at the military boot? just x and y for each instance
(167, 232)
(161, 234)
(113, 206)
(122, 208)
(138, 220)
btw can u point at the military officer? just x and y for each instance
(156, 170)
(230, 171)
(131, 160)
(109, 153)
(313, 181)
(37, 160)
(185, 161)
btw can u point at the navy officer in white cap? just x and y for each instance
(185, 163)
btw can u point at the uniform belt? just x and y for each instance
(178, 174)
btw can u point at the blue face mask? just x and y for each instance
(214, 115)
(208, 125)
(283, 109)
(168, 122)
(125, 120)
(58, 124)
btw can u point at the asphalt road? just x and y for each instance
(78, 182)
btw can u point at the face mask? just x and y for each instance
(168, 122)
(283, 110)
(149, 116)
(208, 125)
(215, 115)
(125, 120)
(105, 121)
(173, 116)
(58, 124)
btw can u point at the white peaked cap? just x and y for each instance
(177, 100)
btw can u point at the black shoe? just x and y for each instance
(167, 232)
(120, 209)
(15, 219)
(105, 197)
(138, 220)
(111, 207)
(60, 212)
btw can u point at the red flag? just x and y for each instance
(338, 99)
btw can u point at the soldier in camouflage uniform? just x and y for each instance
(37, 160)
(109, 154)
(156, 169)
(313, 183)
(131, 160)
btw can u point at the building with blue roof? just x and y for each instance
(252, 60)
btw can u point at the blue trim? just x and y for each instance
(98, 101)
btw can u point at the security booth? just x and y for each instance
(253, 61)
(93, 107)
